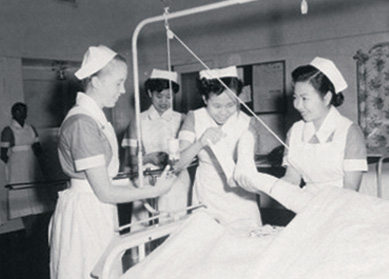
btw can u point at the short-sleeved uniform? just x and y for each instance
(324, 156)
(156, 131)
(230, 205)
(82, 226)
(22, 167)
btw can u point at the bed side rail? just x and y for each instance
(121, 243)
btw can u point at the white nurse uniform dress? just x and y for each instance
(231, 206)
(322, 157)
(82, 226)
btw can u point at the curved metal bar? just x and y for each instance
(380, 163)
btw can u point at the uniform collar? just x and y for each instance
(327, 128)
(16, 124)
(91, 106)
(154, 114)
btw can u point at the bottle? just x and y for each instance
(174, 152)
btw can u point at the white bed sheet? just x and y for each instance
(341, 234)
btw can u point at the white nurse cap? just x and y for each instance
(328, 68)
(219, 73)
(95, 58)
(161, 74)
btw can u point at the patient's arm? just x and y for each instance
(245, 165)
(289, 195)
(246, 175)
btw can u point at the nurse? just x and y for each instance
(325, 148)
(159, 124)
(85, 217)
(220, 122)
(20, 148)
(21, 151)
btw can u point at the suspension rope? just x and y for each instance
(169, 63)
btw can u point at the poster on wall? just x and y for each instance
(269, 87)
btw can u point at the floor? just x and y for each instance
(25, 254)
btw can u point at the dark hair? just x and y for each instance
(85, 82)
(214, 86)
(159, 84)
(319, 81)
(18, 106)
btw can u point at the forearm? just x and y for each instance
(246, 149)
(187, 155)
(352, 180)
(108, 193)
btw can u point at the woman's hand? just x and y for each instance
(211, 136)
(165, 181)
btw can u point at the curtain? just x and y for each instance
(373, 97)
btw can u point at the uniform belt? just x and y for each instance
(20, 148)
(80, 185)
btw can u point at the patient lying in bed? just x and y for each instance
(336, 234)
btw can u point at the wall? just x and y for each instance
(267, 31)
(11, 88)
(255, 32)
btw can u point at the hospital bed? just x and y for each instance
(340, 234)
(137, 240)
(373, 184)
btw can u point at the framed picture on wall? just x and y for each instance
(269, 87)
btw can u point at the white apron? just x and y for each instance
(230, 205)
(82, 226)
(320, 164)
(23, 167)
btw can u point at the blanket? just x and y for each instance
(340, 234)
